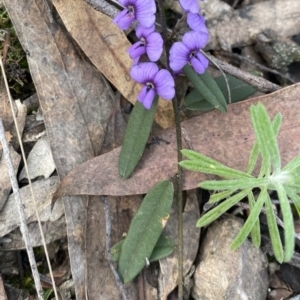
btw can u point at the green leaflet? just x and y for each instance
(286, 182)
(163, 248)
(145, 229)
(207, 87)
(136, 136)
(238, 89)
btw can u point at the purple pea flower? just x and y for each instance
(141, 10)
(189, 6)
(150, 42)
(197, 23)
(187, 51)
(155, 81)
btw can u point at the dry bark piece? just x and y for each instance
(227, 138)
(43, 190)
(169, 266)
(5, 183)
(226, 274)
(40, 161)
(53, 230)
(76, 104)
(238, 28)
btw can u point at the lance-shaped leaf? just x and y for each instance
(248, 226)
(207, 87)
(293, 196)
(136, 136)
(220, 196)
(145, 229)
(163, 248)
(239, 91)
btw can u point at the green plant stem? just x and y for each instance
(178, 190)
(179, 199)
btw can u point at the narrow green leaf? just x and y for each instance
(163, 248)
(221, 208)
(289, 240)
(293, 165)
(215, 169)
(258, 129)
(235, 184)
(273, 230)
(207, 87)
(145, 229)
(249, 224)
(220, 196)
(239, 91)
(265, 136)
(293, 196)
(136, 136)
(255, 232)
(276, 123)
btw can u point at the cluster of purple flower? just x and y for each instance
(157, 81)
(188, 50)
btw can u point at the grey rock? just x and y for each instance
(226, 274)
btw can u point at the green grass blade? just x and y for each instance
(207, 87)
(273, 230)
(221, 208)
(235, 184)
(145, 229)
(252, 219)
(255, 233)
(136, 136)
(289, 240)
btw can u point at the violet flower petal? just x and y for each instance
(146, 96)
(154, 46)
(141, 31)
(179, 56)
(190, 5)
(145, 12)
(124, 19)
(136, 50)
(199, 63)
(164, 84)
(195, 40)
(197, 23)
(144, 72)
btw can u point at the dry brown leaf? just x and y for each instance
(106, 46)
(226, 137)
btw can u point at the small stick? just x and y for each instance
(261, 67)
(23, 226)
(108, 252)
(259, 83)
